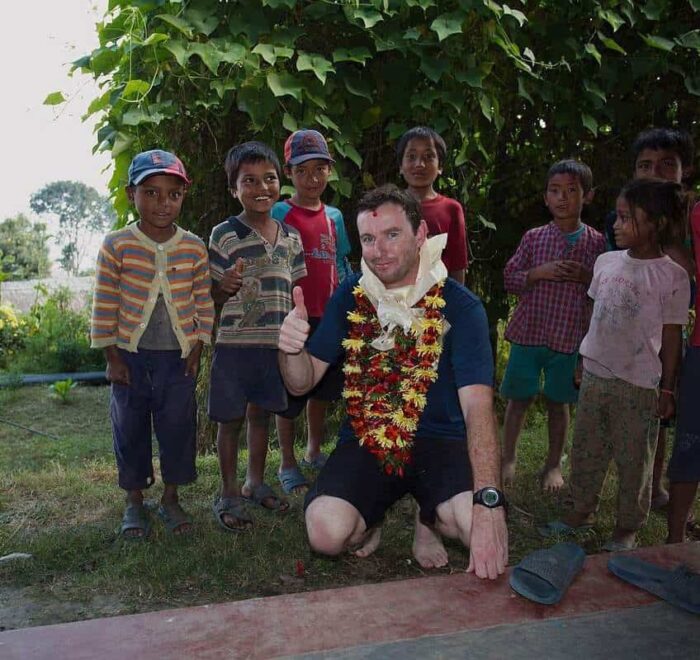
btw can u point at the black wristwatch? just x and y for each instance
(490, 497)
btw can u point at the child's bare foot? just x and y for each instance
(552, 479)
(622, 539)
(659, 499)
(508, 472)
(428, 548)
(369, 544)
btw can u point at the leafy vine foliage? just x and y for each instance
(510, 88)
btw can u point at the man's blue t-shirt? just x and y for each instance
(466, 357)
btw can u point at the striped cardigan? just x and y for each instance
(132, 270)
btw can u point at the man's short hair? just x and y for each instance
(575, 168)
(422, 133)
(670, 139)
(248, 152)
(391, 194)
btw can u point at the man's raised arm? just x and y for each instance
(300, 371)
(488, 551)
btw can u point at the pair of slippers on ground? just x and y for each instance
(138, 518)
(545, 575)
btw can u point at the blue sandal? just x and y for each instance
(135, 518)
(292, 479)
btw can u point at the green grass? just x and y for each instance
(59, 502)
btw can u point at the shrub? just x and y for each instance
(58, 336)
(12, 334)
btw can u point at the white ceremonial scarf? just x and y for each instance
(395, 307)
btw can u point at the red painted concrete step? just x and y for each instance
(333, 618)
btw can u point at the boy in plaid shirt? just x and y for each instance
(550, 273)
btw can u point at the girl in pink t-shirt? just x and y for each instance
(630, 357)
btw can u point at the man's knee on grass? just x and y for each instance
(454, 517)
(332, 525)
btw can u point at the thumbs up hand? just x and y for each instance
(295, 327)
(233, 278)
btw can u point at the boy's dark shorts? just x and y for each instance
(240, 376)
(329, 388)
(684, 465)
(439, 471)
(160, 398)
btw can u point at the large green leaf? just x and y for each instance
(155, 38)
(136, 87)
(267, 52)
(433, 67)
(692, 84)
(614, 20)
(369, 17)
(289, 122)
(523, 91)
(658, 42)
(180, 51)
(316, 63)
(358, 86)
(327, 123)
(359, 55)
(55, 98)
(690, 39)
(176, 22)
(284, 84)
(208, 53)
(593, 52)
(223, 85)
(447, 24)
(611, 44)
(590, 123)
(517, 15)
(204, 20)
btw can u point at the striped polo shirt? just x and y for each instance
(254, 315)
(133, 270)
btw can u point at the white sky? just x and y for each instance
(40, 143)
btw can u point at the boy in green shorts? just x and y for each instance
(550, 273)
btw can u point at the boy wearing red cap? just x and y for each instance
(152, 312)
(307, 162)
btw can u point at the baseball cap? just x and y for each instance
(303, 145)
(155, 161)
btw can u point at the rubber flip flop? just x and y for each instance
(135, 517)
(560, 528)
(263, 492)
(232, 506)
(678, 586)
(545, 575)
(291, 479)
(174, 517)
(314, 464)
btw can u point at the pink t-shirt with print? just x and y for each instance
(633, 300)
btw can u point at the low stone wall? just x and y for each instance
(23, 294)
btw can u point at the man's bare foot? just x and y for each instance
(428, 548)
(508, 472)
(552, 479)
(369, 544)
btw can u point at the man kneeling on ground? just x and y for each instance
(418, 383)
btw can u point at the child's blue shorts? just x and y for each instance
(527, 365)
(240, 376)
(160, 398)
(684, 465)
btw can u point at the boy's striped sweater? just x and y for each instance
(132, 270)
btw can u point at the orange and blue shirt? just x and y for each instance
(133, 270)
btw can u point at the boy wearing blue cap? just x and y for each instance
(152, 312)
(308, 163)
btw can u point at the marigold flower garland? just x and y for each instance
(385, 391)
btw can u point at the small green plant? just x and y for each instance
(61, 390)
(12, 331)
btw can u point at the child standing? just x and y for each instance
(254, 263)
(152, 312)
(421, 153)
(630, 357)
(662, 153)
(549, 272)
(308, 164)
(684, 466)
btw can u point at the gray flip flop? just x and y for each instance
(678, 586)
(135, 517)
(233, 506)
(291, 478)
(545, 575)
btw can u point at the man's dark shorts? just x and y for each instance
(329, 388)
(684, 465)
(240, 376)
(439, 471)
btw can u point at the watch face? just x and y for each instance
(490, 496)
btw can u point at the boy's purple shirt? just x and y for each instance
(552, 314)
